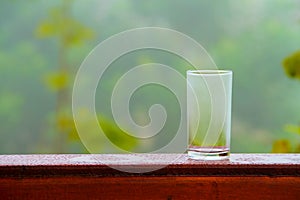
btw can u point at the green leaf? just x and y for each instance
(65, 124)
(292, 128)
(291, 65)
(61, 24)
(281, 146)
(46, 29)
(57, 81)
(76, 33)
(116, 135)
(297, 150)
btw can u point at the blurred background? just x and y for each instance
(42, 44)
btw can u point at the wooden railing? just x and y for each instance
(244, 176)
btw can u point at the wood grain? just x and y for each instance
(151, 188)
(244, 176)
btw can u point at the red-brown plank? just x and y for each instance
(151, 188)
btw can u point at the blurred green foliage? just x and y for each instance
(72, 34)
(69, 33)
(63, 25)
(42, 44)
(291, 66)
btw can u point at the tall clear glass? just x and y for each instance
(209, 113)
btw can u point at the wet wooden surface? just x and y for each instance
(75, 176)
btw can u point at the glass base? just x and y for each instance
(208, 153)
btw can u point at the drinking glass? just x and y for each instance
(209, 113)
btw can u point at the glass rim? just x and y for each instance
(204, 72)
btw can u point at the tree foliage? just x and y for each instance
(291, 65)
(42, 43)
